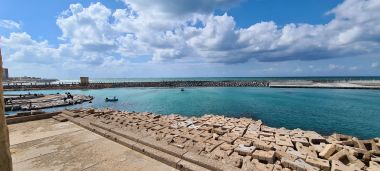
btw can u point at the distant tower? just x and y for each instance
(5, 74)
(84, 81)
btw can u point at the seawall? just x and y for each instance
(141, 84)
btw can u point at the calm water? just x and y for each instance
(354, 112)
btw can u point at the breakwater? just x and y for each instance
(139, 84)
(224, 143)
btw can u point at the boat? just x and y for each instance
(182, 89)
(114, 99)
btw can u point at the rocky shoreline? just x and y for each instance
(222, 143)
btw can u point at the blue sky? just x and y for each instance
(141, 38)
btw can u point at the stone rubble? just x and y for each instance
(244, 143)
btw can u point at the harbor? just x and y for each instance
(216, 142)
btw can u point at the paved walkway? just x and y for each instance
(51, 145)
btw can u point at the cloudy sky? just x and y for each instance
(190, 38)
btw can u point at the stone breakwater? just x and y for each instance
(214, 142)
(141, 84)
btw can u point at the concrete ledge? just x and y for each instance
(162, 152)
(203, 161)
(188, 166)
(15, 120)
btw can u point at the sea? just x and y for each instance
(326, 111)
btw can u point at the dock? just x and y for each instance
(51, 145)
(29, 102)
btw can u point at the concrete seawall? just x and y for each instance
(142, 84)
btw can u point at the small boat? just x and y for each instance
(182, 89)
(114, 99)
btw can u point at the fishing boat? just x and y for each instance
(182, 89)
(114, 99)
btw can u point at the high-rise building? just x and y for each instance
(5, 74)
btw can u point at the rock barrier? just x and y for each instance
(221, 143)
(142, 84)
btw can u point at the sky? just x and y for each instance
(190, 38)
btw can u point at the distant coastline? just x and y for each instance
(272, 82)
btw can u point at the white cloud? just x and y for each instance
(335, 67)
(24, 49)
(190, 32)
(353, 68)
(375, 65)
(9, 24)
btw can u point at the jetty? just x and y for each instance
(214, 142)
(348, 84)
(17, 102)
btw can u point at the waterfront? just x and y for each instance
(353, 112)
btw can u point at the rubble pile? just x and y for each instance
(244, 143)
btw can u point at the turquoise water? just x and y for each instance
(354, 112)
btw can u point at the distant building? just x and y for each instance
(5, 74)
(84, 80)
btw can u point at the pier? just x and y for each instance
(327, 84)
(214, 142)
(17, 102)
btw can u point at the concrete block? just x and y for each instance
(339, 166)
(346, 158)
(298, 164)
(328, 151)
(299, 154)
(320, 163)
(262, 155)
(284, 140)
(262, 145)
(244, 150)
(373, 166)
(282, 154)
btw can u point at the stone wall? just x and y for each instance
(142, 84)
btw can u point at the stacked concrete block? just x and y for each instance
(242, 144)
